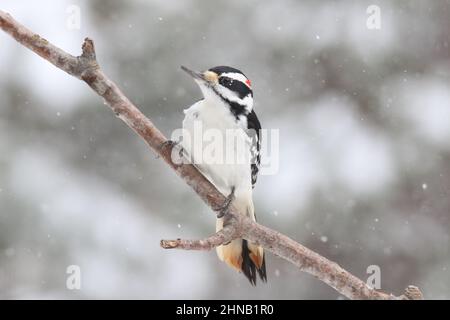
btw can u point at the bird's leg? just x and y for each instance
(223, 209)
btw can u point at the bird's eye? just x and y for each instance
(225, 81)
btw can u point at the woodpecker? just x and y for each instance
(227, 106)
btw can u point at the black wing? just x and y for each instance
(253, 128)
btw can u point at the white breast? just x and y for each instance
(218, 146)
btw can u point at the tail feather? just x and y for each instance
(249, 267)
(262, 270)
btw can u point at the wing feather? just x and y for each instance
(253, 131)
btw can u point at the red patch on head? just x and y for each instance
(248, 83)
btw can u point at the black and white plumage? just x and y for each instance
(254, 128)
(227, 108)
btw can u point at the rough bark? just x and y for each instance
(86, 68)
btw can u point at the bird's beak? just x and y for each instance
(194, 74)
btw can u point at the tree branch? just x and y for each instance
(86, 68)
(223, 236)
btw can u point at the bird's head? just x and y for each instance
(225, 84)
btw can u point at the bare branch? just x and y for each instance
(223, 236)
(412, 293)
(86, 68)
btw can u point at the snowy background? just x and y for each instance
(364, 120)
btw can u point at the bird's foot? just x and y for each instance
(172, 144)
(223, 209)
(169, 144)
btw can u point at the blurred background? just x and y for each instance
(364, 120)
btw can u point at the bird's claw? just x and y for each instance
(223, 209)
(168, 143)
(172, 144)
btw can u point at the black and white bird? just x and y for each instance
(227, 107)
